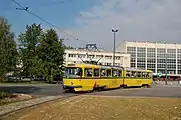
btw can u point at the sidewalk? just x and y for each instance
(5, 109)
(169, 83)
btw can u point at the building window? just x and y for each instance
(117, 58)
(141, 65)
(171, 56)
(161, 61)
(171, 51)
(131, 48)
(141, 49)
(72, 55)
(152, 55)
(141, 60)
(81, 55)
(161, 66)
(179, 67)
(171, 66)
(179, 56)
(149, 60)
(161, 50)
(179, 61)
(133, 64)
(179, 71)
(173, 61)
(108, 57)
(141, 55)
(133, 54)
(133, 60)
(179, 51)
(151, 66)
(151, 50)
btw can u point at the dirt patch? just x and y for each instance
(6, 98)
(103, 108)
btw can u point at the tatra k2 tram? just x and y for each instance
(88, 77)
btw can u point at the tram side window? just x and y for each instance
(133, 74)
(96, 72)
(88, 72)
(73, 71)
(114, 73)
(148, 75)
(119, 73)
(109, 73)
(103, 72)
(128, 74)
(138, 74)
(143, 74)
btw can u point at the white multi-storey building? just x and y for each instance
(154, 56)
(105, 58)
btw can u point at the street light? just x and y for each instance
(114, 31)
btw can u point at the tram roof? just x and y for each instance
(109, 67)
(80, 65)
(105, 67)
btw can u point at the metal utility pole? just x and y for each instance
(166, 69)
(114, 31)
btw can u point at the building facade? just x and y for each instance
(105, 58)
(154, 56)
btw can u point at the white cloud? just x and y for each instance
(141, 20)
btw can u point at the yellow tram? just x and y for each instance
(88, 77)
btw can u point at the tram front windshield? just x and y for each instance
(73, 71)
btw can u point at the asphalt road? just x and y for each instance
(56, 89)
(37, 90)
(154, 91)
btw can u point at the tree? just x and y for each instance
(8, 51)
(50, 52)
(28, 55)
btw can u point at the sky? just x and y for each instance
(91, 21)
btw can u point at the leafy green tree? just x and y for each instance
(28, 54)
(50, 52)
(8, 51)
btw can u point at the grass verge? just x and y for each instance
(103, 108)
